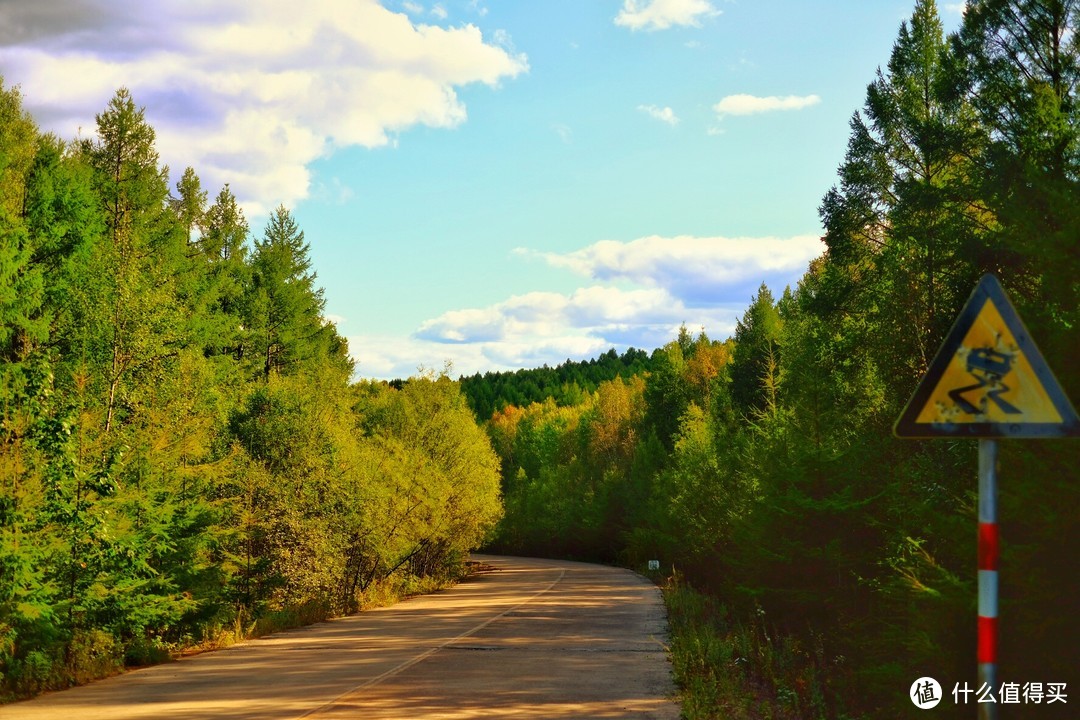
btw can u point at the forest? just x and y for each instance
(832, 563)
(568, 383)
(186, 458)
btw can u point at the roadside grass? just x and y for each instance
(387, 592)
(737, 668)
(95, 654)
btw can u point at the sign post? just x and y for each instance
(988, 381)
(988, 572)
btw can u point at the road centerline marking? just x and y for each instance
(425, 655)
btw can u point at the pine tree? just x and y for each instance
(1018, 65)
(756, 354)
(21, 285)
(284, 306)
(225, 274)
(901, 227)
(142, 259)
(190, 205)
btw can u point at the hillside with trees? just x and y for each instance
(838, 562)
(567, 383)
(185, 457)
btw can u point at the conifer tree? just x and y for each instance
(1018, 65)
(901, 224)
(284, 306)
(21, 285)
(141, 261)
(225, 274)
(756, 355)
(190, 205)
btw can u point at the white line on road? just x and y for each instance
(423, 656)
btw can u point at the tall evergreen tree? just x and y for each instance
(142, 259)
(225, 274)
(755, 359)
(1018, 64)
(66, 226)
(21, 286)
(284, 305)
(901, 225)
(190, 204)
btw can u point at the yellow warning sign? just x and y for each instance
(988, 379)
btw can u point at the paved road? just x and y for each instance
(533, 639)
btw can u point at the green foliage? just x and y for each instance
(283, 310)
(183, 458)
(568, 383)
(764, 468)
(21, 289)
(756, 358)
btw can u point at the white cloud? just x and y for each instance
(388, 356)
(548, 314)
(564, 132)
(440, 12)
(698, 271)
(959, 8)
(664, 114)
(642, 291)
(414, 8)
(752, 105)
(663, 14)
(588, 320)
(250, 93)
(465, 326)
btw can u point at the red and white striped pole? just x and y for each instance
(988, 574)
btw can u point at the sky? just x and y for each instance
(493, 184)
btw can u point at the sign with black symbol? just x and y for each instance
(988, 379)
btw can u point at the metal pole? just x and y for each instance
(988, 575)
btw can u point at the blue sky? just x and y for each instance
(494, 183)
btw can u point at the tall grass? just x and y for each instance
(736, 667)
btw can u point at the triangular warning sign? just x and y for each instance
(988, 379)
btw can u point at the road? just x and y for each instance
(531, 639)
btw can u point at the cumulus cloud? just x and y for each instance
(699, 271)
(663, 14)
(248, 93)
(389, 356)
(386, 357)
(664, 114)
(752, 105)
(639, 293)
(548, 314)
(545, 327)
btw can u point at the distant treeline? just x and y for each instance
(183, 457)
(568, 383)
(764, 469)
